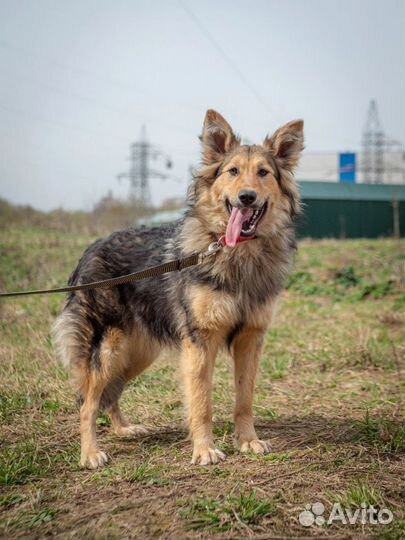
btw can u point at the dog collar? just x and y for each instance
(222, 239)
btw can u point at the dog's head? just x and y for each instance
(247, 191)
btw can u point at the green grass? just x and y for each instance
(330, 399)
(351, 282)
(11, 405)
(144, 473)
(394, 532)
(385, 434)
(7, 501)
(20, 462)
(103, 420)
(276, 367)
(42, 517)
(223, 514)
(358, 494)
(275, 457)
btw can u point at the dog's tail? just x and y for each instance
(71, 337)
(66, 338)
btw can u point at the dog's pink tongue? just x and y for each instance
(234, 227)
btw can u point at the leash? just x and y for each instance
(154, 271)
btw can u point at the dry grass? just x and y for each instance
(108, 214)
(330, 399)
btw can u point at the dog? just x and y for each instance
(244, 193)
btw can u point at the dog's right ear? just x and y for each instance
(217, 137)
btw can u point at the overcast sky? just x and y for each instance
(79, 78)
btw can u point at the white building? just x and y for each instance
(325, 166)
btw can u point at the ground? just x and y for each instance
(330, 400)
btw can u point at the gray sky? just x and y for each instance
(79, 78)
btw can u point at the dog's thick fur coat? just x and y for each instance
(108, 336)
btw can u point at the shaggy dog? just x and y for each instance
(243, 193)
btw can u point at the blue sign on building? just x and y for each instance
(347, 167)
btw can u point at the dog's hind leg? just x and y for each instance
(73, 337)
(139, 352)
(104, 384)
(121, 425)
(247, 349)
(91, 455)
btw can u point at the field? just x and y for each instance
(330, 400)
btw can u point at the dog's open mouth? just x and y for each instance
(242, 222)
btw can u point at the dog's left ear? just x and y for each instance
(287, 143)
(217, 137)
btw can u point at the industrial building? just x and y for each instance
(346, 210)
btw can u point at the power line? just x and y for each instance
(245, 80)
(140, 172)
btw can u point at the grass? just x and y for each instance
(21, 462)
(8, 501)
(42, 517)
(360, 494)
(230, 512)
(144, 473)
(277, 367)
(330, 400)
(383, 433)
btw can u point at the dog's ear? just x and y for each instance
(217, 137)
(287, 143)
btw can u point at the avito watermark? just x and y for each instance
(314, 514)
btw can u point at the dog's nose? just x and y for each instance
(247, 198)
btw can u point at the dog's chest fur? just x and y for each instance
(238, 288)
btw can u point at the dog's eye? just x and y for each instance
(233, 171)
(262, 172)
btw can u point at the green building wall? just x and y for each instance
(336, 210)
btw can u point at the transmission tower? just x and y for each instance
(373, 147)
(139, 174)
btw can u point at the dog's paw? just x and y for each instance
(93, 459)
(207, 456)
(256, 446)
(133, 430)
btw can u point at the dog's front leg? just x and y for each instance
(198, 359)
(247, 350)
